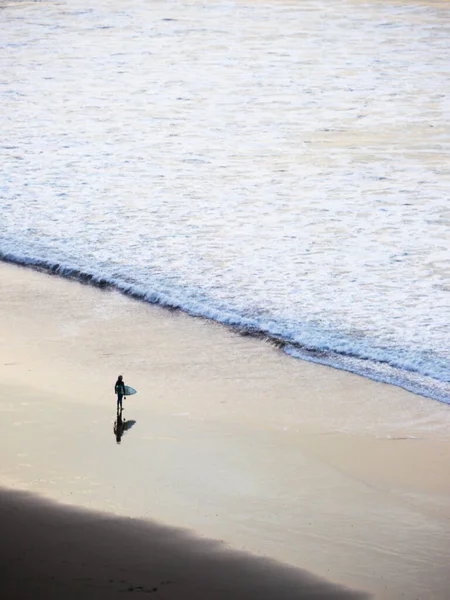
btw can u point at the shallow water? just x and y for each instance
(278, 166)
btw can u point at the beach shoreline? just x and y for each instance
(383, 371)
(231, 440)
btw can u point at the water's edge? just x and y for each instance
(380, 371)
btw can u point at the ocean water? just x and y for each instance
(282, 167)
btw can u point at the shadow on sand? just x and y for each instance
(121, 425)
(52, 551)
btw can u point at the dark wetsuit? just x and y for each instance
(120, 391)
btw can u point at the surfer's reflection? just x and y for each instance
(121, 425)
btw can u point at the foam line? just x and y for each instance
(356, 358)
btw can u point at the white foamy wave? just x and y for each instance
(382, 371)
(416, 372)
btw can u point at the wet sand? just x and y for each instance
(227, 439)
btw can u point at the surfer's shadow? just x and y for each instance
(121, 425)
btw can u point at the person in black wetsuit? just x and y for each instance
(119, 389)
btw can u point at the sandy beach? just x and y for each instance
(242, 473)
(54, 552)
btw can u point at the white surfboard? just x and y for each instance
(129, 391)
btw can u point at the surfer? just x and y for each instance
(119, 388)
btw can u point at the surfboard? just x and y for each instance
(129, 391)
